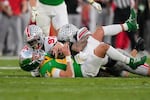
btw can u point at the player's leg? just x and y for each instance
(61, 18)
(117, 68)
(43, 19)
(142, 69)
(129, 25)
(105, 49)
(140, 44)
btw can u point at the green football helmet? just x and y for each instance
(25, 61)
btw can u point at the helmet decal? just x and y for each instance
(82, 32)
(85, 30)
(27, 32)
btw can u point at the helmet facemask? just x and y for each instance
(26, 61)
(35, 43)
(34, 37)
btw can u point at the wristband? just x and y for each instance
(68, 59)
(90, 1)
(34, 8)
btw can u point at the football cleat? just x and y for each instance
(135, 62)
(140, 45)
(132, 21)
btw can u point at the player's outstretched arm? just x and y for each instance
(96, 5)
(34, 11)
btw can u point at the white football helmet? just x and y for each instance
(71, 33)
(67, 33)
(82, 32)
(33, 36)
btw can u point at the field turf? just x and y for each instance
(16, 84)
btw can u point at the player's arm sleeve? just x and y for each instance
(90, 1)
(56, 72)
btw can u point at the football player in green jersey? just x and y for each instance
(55, 11)
(46, 11)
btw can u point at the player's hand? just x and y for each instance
(80, 44)
(66, 50)
(97, 6)
(34, 14)
(56, 49)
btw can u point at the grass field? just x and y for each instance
(16, 84)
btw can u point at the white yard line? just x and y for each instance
(8, 57)
(10, 68)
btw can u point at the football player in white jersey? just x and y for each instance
(34, 38)
(45, 11)
(94, 43)
(96, 54)
(37, 42)
(25, 54)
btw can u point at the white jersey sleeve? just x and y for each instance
(49, 42)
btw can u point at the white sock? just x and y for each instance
(114, 29)
(116, 55)
(125, 26)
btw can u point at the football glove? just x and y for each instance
(34, 13)
(96, 5)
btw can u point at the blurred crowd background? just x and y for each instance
(17, 14)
